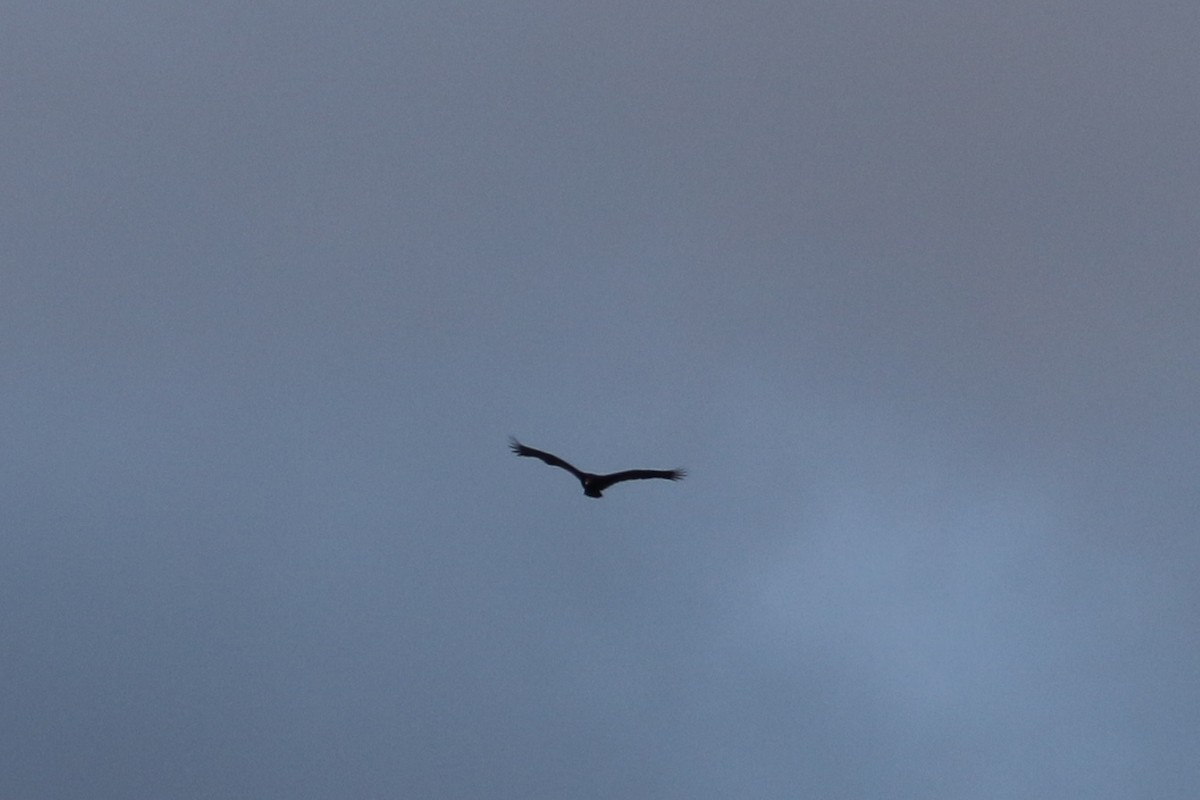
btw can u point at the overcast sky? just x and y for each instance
(911, 288)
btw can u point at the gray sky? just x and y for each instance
(910, 288)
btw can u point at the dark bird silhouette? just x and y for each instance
(594, 485)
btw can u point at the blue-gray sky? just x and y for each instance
(910, 287)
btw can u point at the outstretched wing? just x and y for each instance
(602, 482)
(549, 458)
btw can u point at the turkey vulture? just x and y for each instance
(594, 485)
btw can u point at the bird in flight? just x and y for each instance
(594, 485)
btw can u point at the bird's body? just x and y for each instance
(593, 484)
